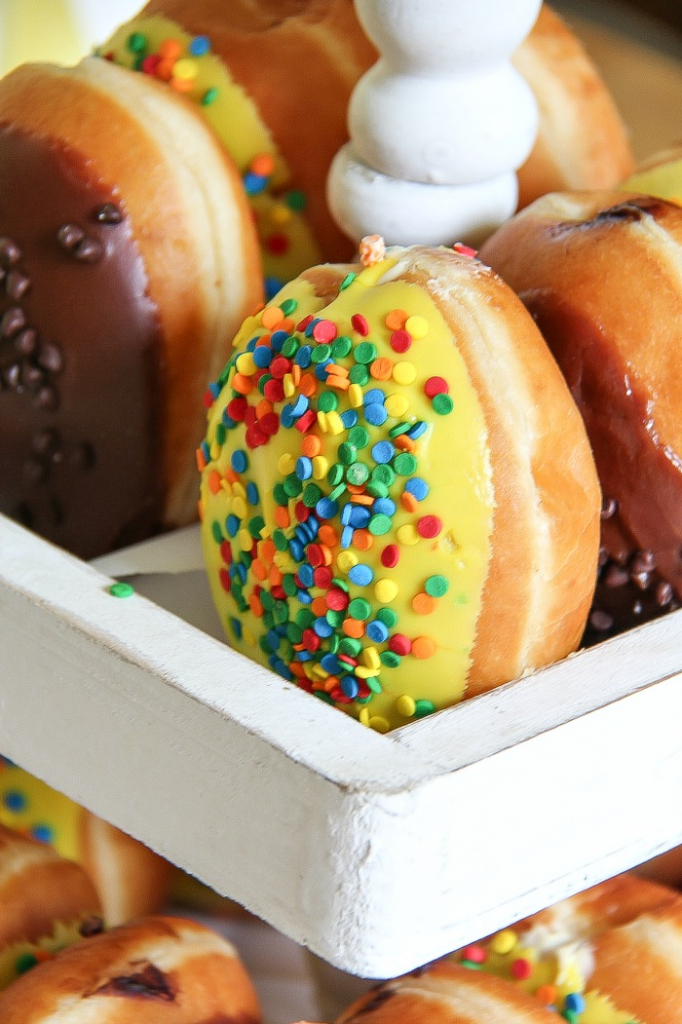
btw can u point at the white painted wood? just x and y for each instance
(377, 852)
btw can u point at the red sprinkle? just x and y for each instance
(255, 437)
(315, 555)
(400, 341)
(277, 244)
(302, 512)
(390, 556)
(359, 324)
(324, 331)
(323, 577)
(225, 580)
(338, 600)
(310, 640)
(436, 386)
(475, 954)
(150, 64)
(279, 367)
(521, 969)
(306, 421)
(226, 552)
(273, 390)
(429, 526)
(208, 399)
(465, 250)
(269, 423)
(236, 409)
(302, 324)
(400, 644)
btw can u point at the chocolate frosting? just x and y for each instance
(81, 377)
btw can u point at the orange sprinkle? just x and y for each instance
(363, 540)
(200, 510)
(297, 669)
(231, 475)
(381, 369)
(271, 317)
(423, 603)
(266, 550)
(319, 606)
(362, 499)
(170, 49)
(409, 502)
(259, 570)
(311, 446)
(164, 70)
(257, 608)
(405, 442)
(328, 535)
(330, 683)
(274, 576)
(423, 647)
(546, 994)
(395, 320)
(242, 384)
(182, 84)
(286, 325)
(282, 516)
(263, 408)
(353, 628)
(340, 383)
(264, 339)
(307, 385)
(214, 483)
(338, 371)
(201, 460)
(326, 554)
(355, 488)
(263, 165)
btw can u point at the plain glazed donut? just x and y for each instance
(129, 878)
(128, 257)
(600, 274)
(393, 459)
(155, 970)
(46, 903)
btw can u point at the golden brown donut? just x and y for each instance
(127, 258)
(46, 902)
(494, 540)
(582, 140)
(156, 970)
(599, 272)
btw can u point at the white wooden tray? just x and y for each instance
(377, 852)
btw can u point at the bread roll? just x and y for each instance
(159, 969)
(127, 259)
(599, 273)
(394, 458)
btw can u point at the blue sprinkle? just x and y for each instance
(417, 430)
(349, 686)
(304, 468)
(278, 338)
(254, 184)
(206, 451)
(232, 524)
(199, 46)
(287, 417)
(273, 638)
(241, 572)
(214, 389)
(382, 452)
(239, 461)
(227, 421)
(304, 655)
(262, 356)
(303, 356)
(326, 508)
(346, 513)
(311, 327)
(360, 574)
(296, 549)
(359, 517)
(347, 536)
(14, 800)
(304, 597)
(43, 833)
(313, 525)
(330, 663)
(272, 286)
(252, 495)
(236, 627)
(374, 395)
(306, 574)
(574, 1001)
(300, 406)
(376, 414)
(349, 418)
(250, 345)
(322, 628)
(383, 506)
(377, 631)
(417, 487)
(321, 369)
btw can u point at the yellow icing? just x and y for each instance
(452, 456)
(27, 804)
(664, 181)
(237, 123)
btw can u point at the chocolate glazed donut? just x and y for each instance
(63, 236)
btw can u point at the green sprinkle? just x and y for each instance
(347, 453)
(349, 645)
(323, 695)
(262, 381)
(280, 541)
(374, 684)
(341, 346)
(335, 474)
(334, 619)
(121, 590)
(267, 600)
(217, 532)
(383, 474)
(280, 611)
(290, 347)
(358, 374)
(137, 42)
(288, 306)
(357, 474)
(388, 616)
(442, 404)
(423, 708)
(25, 962)
(390, 659)
(328, 401)
(365, 352)
(289, 585)
(376, 490)
(380, 524)
(305, 618)
(337, 491)
(296, 200)
(209, 97)
(399, 428)
(348, 280)
(471, 964)
(359, 436)
(405, 463)
(311, 495)
(256, 524)
(359, 609)
(321, 354)
(436, 586)
(292, 485)
(294, 633)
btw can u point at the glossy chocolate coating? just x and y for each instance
(81, 380)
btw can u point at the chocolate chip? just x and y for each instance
(17, 284)
(601, 621)
(13, 320)
(615, 577)
(12, 376)
(609, 508)
(33, 376)
(25, 342)
(50, 357)
(10, 253)
(88, 251)
(109, 214)
(644, 561)
(641, 579)
(45, 442)
(69, 235)
(46, 398)
(664, 593)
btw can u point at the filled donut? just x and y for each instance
(129, 878)
(46, 903)
(155, 970)
(128, 258)
(399, 503)
(599, 272)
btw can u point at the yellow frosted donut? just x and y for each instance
(399, 503)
